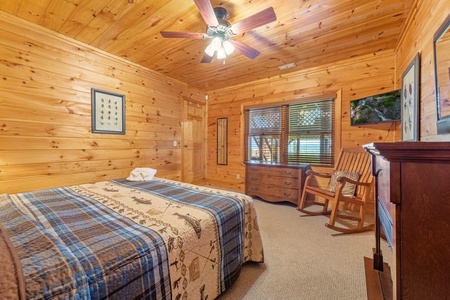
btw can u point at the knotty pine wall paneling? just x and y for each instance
(356, 78)
(45, 115)
(423, 21)
(353, 79)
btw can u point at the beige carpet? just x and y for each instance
(303, 259)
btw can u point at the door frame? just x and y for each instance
(185, 118)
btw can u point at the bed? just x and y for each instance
(121, 239)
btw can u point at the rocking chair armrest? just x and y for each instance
(314, 173)
(343, 179)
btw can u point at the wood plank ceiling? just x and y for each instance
(307, 33)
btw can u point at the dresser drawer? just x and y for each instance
(272, 192)
(275, 171)
(286, 182)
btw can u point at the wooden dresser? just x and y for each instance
(275, 182)
(413, 197)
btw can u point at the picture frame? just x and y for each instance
(410, 101)
(108, 112)
(441, 48)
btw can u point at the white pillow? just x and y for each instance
(142, 174)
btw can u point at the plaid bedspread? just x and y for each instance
(124, 240)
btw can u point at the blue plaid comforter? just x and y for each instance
(124, 240)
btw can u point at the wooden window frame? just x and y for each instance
(285, 127)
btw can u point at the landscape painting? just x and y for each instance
(376, 109)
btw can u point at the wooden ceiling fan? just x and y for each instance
(221, 32)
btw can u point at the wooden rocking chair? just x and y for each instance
(350, 186)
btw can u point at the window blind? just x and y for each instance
(311, 133)
(265, 121)
(291, 133)
(263, 134)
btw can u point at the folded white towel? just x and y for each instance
(142, 174)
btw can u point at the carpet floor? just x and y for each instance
(304, 259)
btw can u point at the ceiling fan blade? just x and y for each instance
(207, 12)
(245, 50)
(183, 35)
(261, 18)
(206, 59)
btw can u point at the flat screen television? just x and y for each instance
(376, 109)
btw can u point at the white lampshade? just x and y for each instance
(216, 43)
(221, 54)
(209, 50)
(228, 46)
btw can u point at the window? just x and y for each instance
(264, 133)
(311, 133)
(291, 133)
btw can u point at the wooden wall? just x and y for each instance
(424, 21)
(45, 115)
(351, 79)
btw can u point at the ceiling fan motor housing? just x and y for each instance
(220, 12)
(223, 30)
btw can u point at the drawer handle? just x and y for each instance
(254, 178)
(287, 183)
(253, 188)
(287, 172)
(287, 194)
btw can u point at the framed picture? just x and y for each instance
(410, 101)
(108, 112)
(441, 43)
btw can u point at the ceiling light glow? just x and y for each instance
(228, 47)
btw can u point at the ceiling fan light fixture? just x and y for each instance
(209, 50)
(216, 43)
(228, 47)
(221, 53)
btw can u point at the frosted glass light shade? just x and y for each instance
(221, 54)
(223, 48)
(216, 43)
(228, 47)
(209, 50)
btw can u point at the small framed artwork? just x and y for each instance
(410, 101)
(108, 112)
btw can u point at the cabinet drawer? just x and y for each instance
(275, 171)
(286, 182)
(273, 191)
